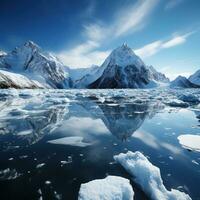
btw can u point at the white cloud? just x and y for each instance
(134, 17)
(149, 49)
(83, 55)
(174, 42)
(154, 47)
(172, 4)
(129, 19)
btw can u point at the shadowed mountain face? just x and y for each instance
(124, 69)
(116, 77)
(35, 64)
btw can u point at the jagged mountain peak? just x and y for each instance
(31, 44)
(123, 56)
(31, 60)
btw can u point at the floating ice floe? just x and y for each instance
(109, 188)
(191, 98)
(72, 141)
(177, 103)
(40, 165)
(148, 176)
(191, 142)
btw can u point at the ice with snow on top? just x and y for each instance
(177, 103)
(72, 141)
(148, 176)
(189, 141)
(109, 188)
(191, 98)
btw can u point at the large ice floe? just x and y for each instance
(191, 142)
(72, 141)
(109, 188)
(148, 176)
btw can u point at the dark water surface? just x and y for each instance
(100, 124)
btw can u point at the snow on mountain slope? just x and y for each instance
(30, 60)
(182, 82)
(90, 75)
(2, 53)
(195, 78)
(124, 69)
(14, 80)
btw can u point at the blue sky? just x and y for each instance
(164, 33)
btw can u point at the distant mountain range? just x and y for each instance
(28, 66)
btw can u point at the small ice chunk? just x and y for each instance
(191, 142)
(47, 182)
(72, 141)
(40, 165)
(109, 188)
(26, 132)
(195, 162)
(63, 162)
(148, 176)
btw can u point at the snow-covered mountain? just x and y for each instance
(124, 69)
(30, 61)
(195, 78)
(18, 81)
(182, 82)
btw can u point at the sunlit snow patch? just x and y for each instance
(109, 188)
(148, 176)
(72, 141)
(191, 142)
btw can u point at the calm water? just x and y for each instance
(106, 123)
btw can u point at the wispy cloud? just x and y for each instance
(129, 19)
(83, 55)
(134, 17)
(156, 46)
(172, 4)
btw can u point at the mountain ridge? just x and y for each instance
(121, 69)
